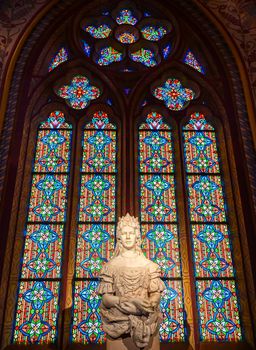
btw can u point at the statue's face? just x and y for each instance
(128, 237)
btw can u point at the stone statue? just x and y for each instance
(131, 287)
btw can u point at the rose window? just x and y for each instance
(126, 33)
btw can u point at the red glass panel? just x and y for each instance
(87, 326)
(37, 311)
(99, 151)
(218, 310)
(95, 246)
(160, 244)
(206, 200)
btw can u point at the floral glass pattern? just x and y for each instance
(79, 93)
(175, 96)
(38, 297)
(109, 55)
(126, 27)
(126, 16)
(127, 38)
(87, 327)
(160, 237)
(100, 32)
(193, 62)
(218, 306)
(96, 227)
(146, 57)
(153, 33)
(60, 57)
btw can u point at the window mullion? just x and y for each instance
(185, 244)
(70, 241)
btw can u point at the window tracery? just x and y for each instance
(126, 25)
(60, 57)
(191, 60)
(148, 42)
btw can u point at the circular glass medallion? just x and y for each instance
(127, 34)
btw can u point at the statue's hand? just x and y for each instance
(129, 308)
(143, 305)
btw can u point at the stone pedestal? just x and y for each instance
(126, 343)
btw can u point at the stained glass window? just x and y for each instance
(217, 301)
(193, 62)
(126, 16)
(122, 39)
(144, 56)
(109, 55)
(39, 285)
(60, 57)
(100, 32)
(160, 234)
(166, 51)
(153, 33)
(86, 48)
(96, 227)
(124, 27)
(175, 96)
(79, 93)
(127, 37)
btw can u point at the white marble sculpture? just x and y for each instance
(131, 287)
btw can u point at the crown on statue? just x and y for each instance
(128, 220)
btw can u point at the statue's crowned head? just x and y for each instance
(125, 225)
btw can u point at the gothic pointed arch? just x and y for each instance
(126, 107)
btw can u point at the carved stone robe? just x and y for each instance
(127, 283)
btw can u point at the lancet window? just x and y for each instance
(127, 88)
